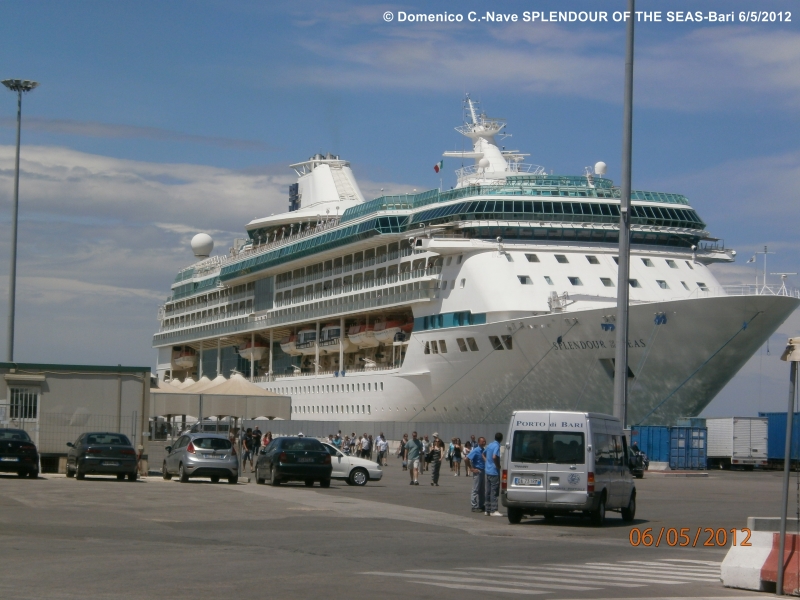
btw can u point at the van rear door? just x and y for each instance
(566, 472)
(527, 460)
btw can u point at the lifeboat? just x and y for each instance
(386, 330)
(362, 336)
(289, 345)
(252, 352)
(185, 358)
(329, 340)
(306, 341)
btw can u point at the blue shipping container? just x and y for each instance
(653, 440)
(687, 448)
(776, 435)
(691, 422)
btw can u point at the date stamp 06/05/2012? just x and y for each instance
(686, 536)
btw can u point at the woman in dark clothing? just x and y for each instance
(437, 454)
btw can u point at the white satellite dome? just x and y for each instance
(483, 163)
(202, 245)
(600, 168)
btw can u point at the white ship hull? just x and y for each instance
(679, 366)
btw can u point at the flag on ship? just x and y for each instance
(438, 166)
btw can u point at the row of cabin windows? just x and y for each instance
(338, 409)
(504, 342)
(607, 282)
(332, 388)
(592, 259)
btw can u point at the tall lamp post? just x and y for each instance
(19, 86)
(621, 360)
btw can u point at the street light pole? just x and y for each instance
(19, 86)
(621, 354)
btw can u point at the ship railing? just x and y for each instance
(513, 168)
(760, 290)
(326, 373)
(222, 300)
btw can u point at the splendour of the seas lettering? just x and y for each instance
(596, 345)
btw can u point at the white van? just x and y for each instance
(561, 462)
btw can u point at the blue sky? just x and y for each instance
(156, 120)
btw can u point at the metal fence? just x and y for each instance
(56, 429)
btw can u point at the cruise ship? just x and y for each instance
(467, 304)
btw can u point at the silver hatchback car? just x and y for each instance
(201, 455)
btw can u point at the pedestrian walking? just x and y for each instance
(437, 454)
(413, 449)
(248, 446)
(371, 447)
(382, 446)
(401, 450)
(492, 456)
(426, 448)
(353, 442)
(457, 457)
(477, 466)
(266, 440)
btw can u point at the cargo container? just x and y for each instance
(687, 448)
(776, 436)
(737, 441)
(653, 440)
(691, 422)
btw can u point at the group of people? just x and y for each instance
(251, 441)
(482, 461)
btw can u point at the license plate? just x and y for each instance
(109, 463)
(305, 460)
(9, 459)
(531, 481)
(219, 456)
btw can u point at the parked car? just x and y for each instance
(18, 453)
(355, 471)
(294, 459)
(101, 453)
(201, 455)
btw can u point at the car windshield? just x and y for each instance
(114, 439)
(548, 447)
(16, 435)
(302, 444)
(331, 450)
(211, 444)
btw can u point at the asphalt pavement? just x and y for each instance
(103, 538)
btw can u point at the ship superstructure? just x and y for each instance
(465, 305)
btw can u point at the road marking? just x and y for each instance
(660, 565)
(452, 580)
(478, 588)
(603, 573)
(467, 572)
(626, 569)
(618, 581)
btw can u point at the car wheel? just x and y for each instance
(548, 516)
(233, 479)
(132, 476)
(273, 476)
(120, 476)
(259, 478)
(21, 473)
(33, 474)
(629, 513)
(309, 483)
(599, 514)
(514, 515)
(164, 473)
(215, 479)
(78, 473)
(325, 483)
(184, 474)
(359, 477)
(70, 472)
(639, 475)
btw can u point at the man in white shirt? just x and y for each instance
(383, 448)
(365, 447)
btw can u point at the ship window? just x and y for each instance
(448, 261)
(548, 280)
(458, 260)
(575, 280)
(561, 258)
(463, 283)
(683, 283)
(532, 258)
(702, 286)
(647, 262)
(607, 282)
(434, 347)
(507, 341)
(662, 284)
(427, 348)
(672, 264)
(616, 259)
(462, 345)
(508, 257)
(473, 345)
(635, 283)
(688, 264)
(524, 280)
(381, 386)
(495, 342)
(442, 348)
(592, 259)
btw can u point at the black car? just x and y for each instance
(18, 453)
(101, 453)
(294, 459)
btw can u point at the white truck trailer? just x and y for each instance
(737, 442)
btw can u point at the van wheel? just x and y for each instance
(599, 514)
(514, 515)
(629, 513)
